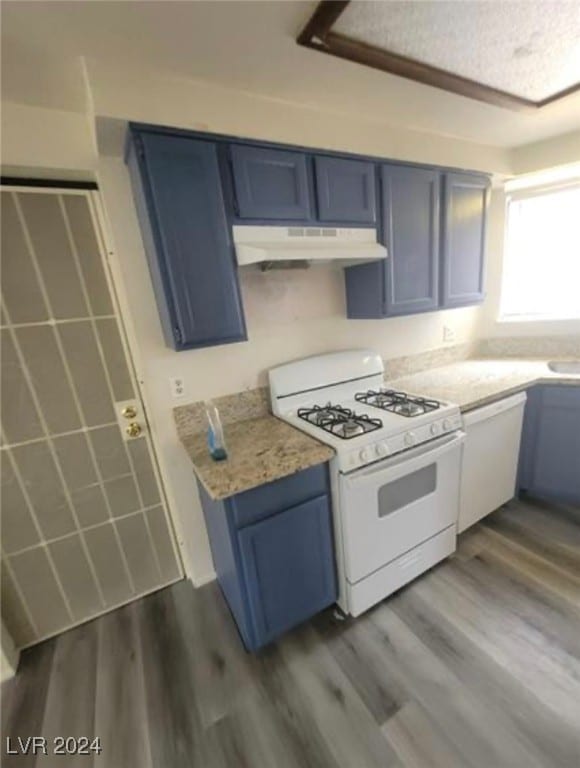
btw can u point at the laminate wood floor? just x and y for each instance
(475, 665)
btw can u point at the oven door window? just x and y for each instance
(404, 491)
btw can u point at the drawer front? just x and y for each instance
(384, 582)
(265, 500)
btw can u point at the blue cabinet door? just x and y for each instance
(465, 204)
(289, 568)
(176, 182)
(410, 209)
(345, 190)
(271, 183)
(550, 465)
(406, 282)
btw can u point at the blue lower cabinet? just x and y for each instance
(286, 561)
(279, 571)
(550, 454)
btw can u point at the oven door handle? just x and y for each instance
(409, 461)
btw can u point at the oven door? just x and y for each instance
(396, 504)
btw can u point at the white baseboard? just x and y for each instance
(200, 581)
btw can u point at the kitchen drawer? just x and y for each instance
(265, 500)
(401, 571)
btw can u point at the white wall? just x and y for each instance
(198, 105)
(561, 150)
(289, 315)
(53, 142)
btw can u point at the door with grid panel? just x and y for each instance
(85, 526)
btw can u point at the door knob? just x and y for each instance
(134, 429)
(129, 412)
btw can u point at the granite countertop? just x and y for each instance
(472, 383)
(260, 450)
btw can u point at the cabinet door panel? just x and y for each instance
(190, 252)
(466, 201)
(289, 567)
(550, 461)
(271, 184)
(411, 231)
(556, 467)
(345, 190)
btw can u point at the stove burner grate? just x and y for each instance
(339, 421)
(397, 402)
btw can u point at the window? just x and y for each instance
(541, 273)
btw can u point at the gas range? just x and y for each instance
(341, 400)
(395, 474)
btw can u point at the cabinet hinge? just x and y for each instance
(177, 334)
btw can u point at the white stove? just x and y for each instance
(395, 475)
(341, 399)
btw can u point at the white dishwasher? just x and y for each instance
(490, 458)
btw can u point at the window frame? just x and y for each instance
(515, 195)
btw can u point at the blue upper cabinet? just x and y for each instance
(408, 280)
(345, 190)
(271, 184)
(178, 193)
(410, 209)
(550, 453)
(465, 204)
(273, 553)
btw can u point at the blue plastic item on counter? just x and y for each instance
(215, 434)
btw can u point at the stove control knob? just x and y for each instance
(435, 429)
(447, 425)
(410, 438)
(364, 455)
(381, 449)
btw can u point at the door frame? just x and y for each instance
(90, 190)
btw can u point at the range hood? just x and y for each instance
(288, 247)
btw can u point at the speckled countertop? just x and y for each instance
(260, 450)
(472, 383)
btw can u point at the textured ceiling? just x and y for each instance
(527, 48)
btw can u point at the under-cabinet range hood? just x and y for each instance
(288, 247)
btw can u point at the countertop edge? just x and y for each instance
(234, 491)
(320, 454)
(516, 388)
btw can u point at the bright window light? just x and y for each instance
(541, 273)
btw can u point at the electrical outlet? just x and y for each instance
(448, 333)
(177, 387)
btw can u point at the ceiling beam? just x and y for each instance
(318, 35)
